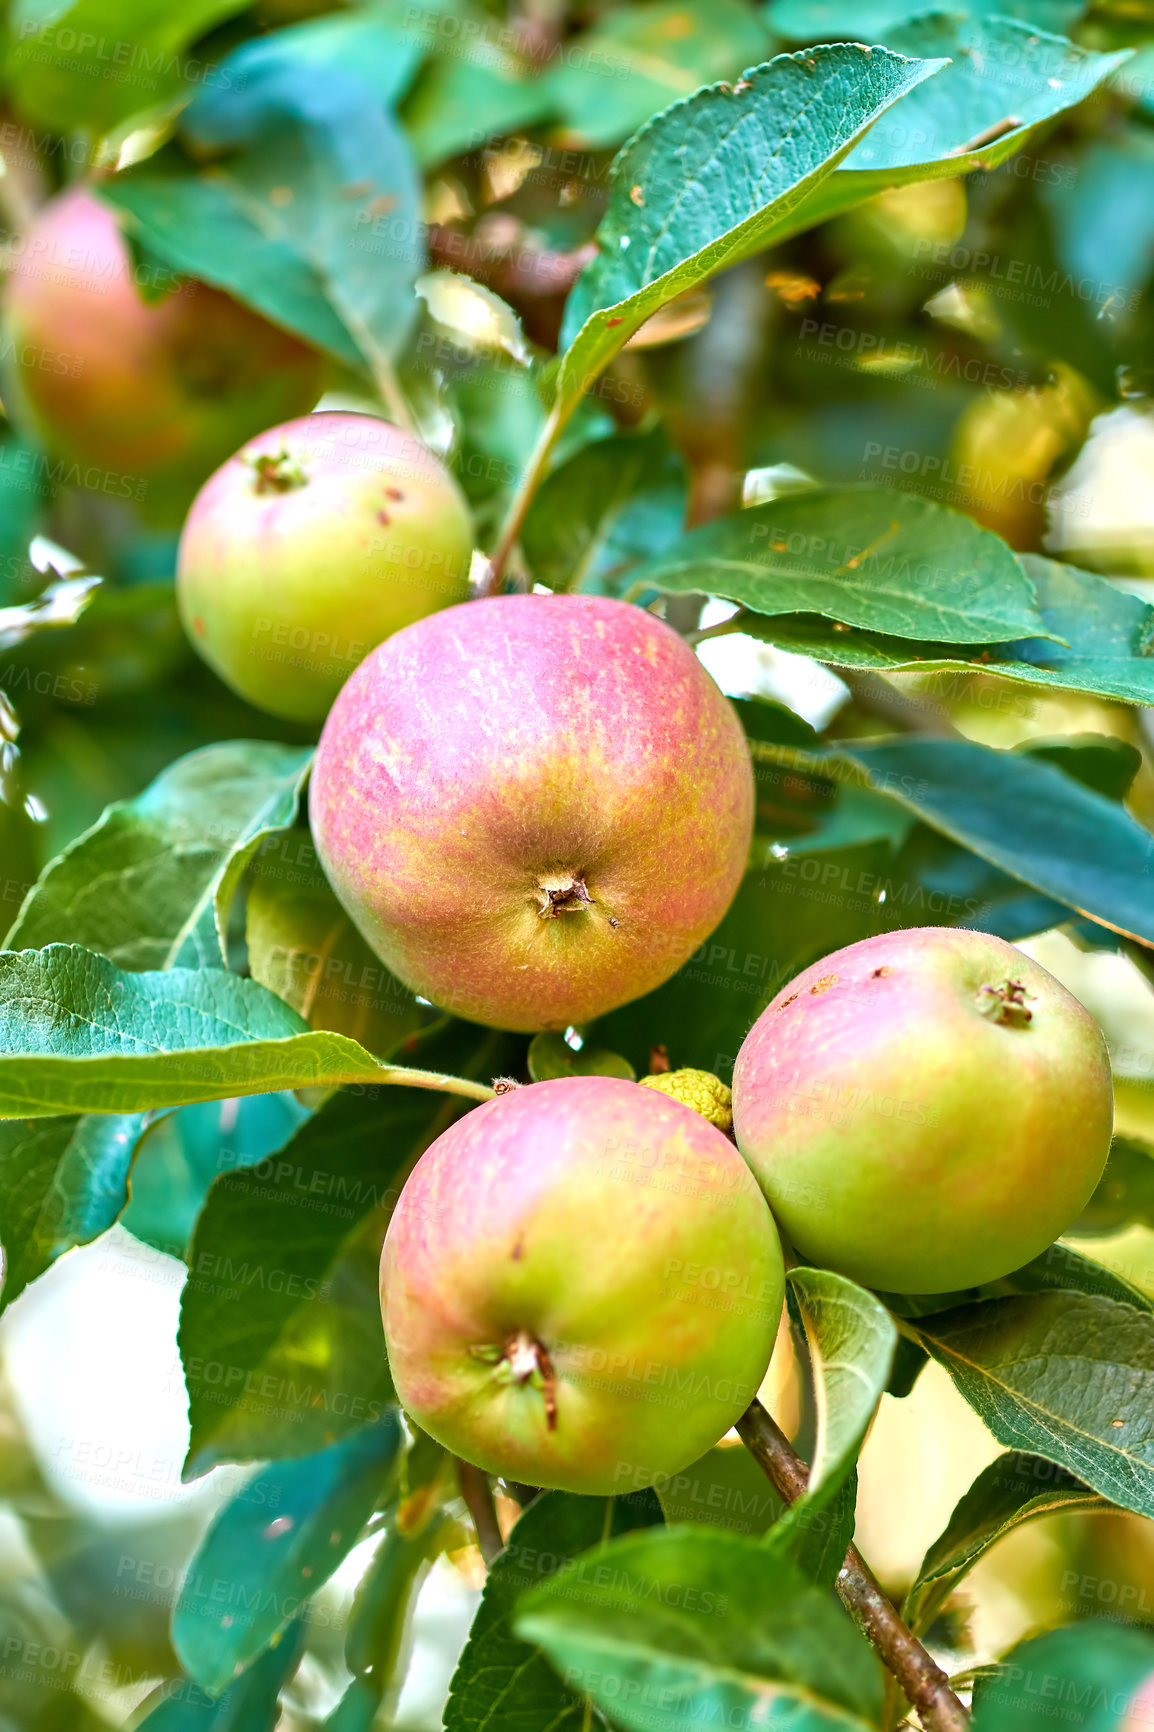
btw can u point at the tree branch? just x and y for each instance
(522, 499)
(922, 1679)
(478, 1496)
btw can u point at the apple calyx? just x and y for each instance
(699, 1089)
(524, 1360)
(565, 895)
(276, 472)
(1005, 1004)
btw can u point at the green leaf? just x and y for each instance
(78, 1035)
(1125, 1193)
(832, 20)
(703, 185)
(270, 1549)
(1097, 1675)
(354, 207)
(851, 1340)
(459, 104)
(1078, 847)
(1058, 1270)
(1016, 1488)
(725, 1488)
(202, 226)
(1006, 79)
(1099, 761)
(612, 503)
(501, 1679)
(933, 881)
(766, 720)
(151, 883)
(1109, 633)
(357, 1709)
(383, 1603)
(280, 1329)
(100, 61)
(21, 509)
(685, 1627)
(1102, 223)
(1063, 1375)
(367, 43)
(1062, 1270)
(910, 1361)
(311, 212)
(640, 59)
(818, 1536)
(250, 1704)
(550, 1055)
(64, 1182)
(184, 1151)
(303, 946)
(889, 562)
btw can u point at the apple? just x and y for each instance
(534, 807)
(925, 1110)
(140, 398)
(581, 1285)
(313, 543)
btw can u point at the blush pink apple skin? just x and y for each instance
(520, 747)
(153, 395)
(622, 1235)
(308, 547)
(908, 1140)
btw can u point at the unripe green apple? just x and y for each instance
(311, 545)
(143, 398)
(1102, 511)
(534, 807)
(581, 1286)
(925, 1110)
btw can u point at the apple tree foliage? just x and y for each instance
(609, 262)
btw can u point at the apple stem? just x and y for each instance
(478, 1496)
(529, 1362)
(276, 472)
(1006, 1003)
(569, 897)
(921, 1678)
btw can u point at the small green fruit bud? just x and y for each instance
(699, 1089)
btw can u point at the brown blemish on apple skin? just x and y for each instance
(198, 626)
(880, 973)
(393, 493)
(786, 1001)
(823, 985)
